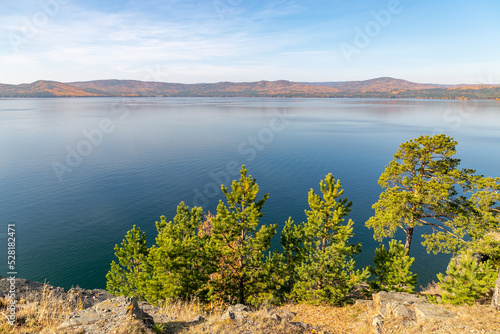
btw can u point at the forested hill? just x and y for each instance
(374, 88)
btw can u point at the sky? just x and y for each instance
(193, 41)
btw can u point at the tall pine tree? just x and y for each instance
(129, 275)
(181, 261)
(240, 242)
(327, 272)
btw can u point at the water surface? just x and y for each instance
(77, 174)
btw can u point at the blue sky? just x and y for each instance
(194, 41)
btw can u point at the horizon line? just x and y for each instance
(262, 80)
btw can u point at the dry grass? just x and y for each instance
(45, 315)
(41, 315)
(347, 319)
(471, 319)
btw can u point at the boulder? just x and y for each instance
(158, 315)
(236, 312)
(29, 290)
(407, 308)
(32, 291)
(105, 316)
(397, 304)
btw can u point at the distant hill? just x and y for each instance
(43, 89)
(378, 85)
(384, 84)
(280, 88)
(374, 88)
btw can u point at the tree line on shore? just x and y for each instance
(225, 258)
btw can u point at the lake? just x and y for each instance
(76, 174)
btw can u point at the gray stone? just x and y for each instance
(495, 300)
(33, 291)
(309, 328)
(431, 311)
(377, 323)
(196, 320)
(157, 313)
(408, 307)
(274, 317)
(395, 303)
(236, 312)
(104, 316)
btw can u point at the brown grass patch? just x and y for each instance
(45, 315)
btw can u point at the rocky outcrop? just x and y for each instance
(242, 314)
(405, 307)
(236, 312)
(105, 316)
(32, 292)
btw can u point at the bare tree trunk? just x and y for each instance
(409, 236)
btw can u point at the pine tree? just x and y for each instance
(180, 261)
(422, 185)
(327, 272)
(281, 266)
(392, 269)
(466, 280)
(240, 243)
(128, 276)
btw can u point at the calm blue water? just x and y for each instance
(76, 174)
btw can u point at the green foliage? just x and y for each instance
(487, 201)
(128, 276)
(392, 269)
(180, 262)
(326, 273)
(222, 258)
(466, 280)
(421, 188)
(239, 242)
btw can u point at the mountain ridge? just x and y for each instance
(383, 87)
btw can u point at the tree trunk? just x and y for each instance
(242, 292)
(409, 235)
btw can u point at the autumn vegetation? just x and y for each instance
(374, 88)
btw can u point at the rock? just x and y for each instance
(33, 291)
(408, 307)
(158, 315)
(87, 298)
(236, 312)
(29, 290)
(430, 311)
(395, 304)
(196, 320)
(377, 323)
(287, 315)
(495, 300)
(309, 328)
(105, 316)
(274, 317)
